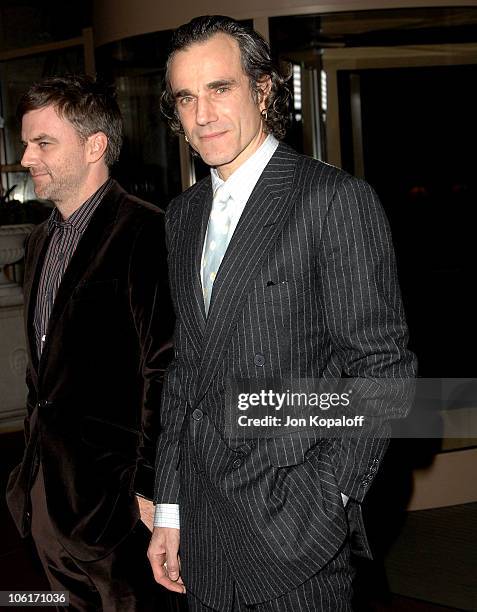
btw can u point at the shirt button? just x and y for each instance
(197, 414)
(259, 360)
(61, 256)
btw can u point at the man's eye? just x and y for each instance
(42, 144)
(185, 101)
(221, 90)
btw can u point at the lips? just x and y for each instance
(212, 136)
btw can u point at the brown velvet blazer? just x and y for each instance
(94, 396)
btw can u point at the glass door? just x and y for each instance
(407, 125)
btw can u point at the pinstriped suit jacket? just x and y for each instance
(268, 514)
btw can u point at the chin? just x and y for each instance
(216, 160)
(41, 192)
(215, 156)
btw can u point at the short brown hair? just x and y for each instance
(89, 105)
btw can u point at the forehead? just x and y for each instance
(46, 119)
(216, 58)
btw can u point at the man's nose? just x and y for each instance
(205, 111)
(28, 158)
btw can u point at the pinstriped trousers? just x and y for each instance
(330, 590)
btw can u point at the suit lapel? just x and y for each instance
(261, 222)
(98, 230)
(190, 302)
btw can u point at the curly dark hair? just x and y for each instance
(89, 105)
(256, 63)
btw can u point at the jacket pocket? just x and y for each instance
(288, 290)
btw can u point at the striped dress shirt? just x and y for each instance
(64, 238)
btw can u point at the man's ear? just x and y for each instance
(96, 146)
(264, 87)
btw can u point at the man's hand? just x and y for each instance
(146, 509)
(163, 555)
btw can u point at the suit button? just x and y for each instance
(197, 414)
(43, 404)
(237, 463)
(259, 360)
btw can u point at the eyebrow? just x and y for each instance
(212, 85)
(221, 83)
(42, 137)
(182, 93)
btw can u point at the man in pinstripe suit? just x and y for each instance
(306, 288)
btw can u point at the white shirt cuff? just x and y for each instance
(167, 515)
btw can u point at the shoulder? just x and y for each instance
(132, 205)
(180, 208)
(314, 177)
(194, 193)
(309, 170)
(132, 213)
(142, 224)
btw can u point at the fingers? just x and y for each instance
(146, 510)
(164, 559)
(172, 566)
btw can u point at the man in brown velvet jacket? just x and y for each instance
(97, 320)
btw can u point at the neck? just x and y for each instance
(227, 170)
(72, 202)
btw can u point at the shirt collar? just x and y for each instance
(240, 184)
(80, 219)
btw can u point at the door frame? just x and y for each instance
(364, 58)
